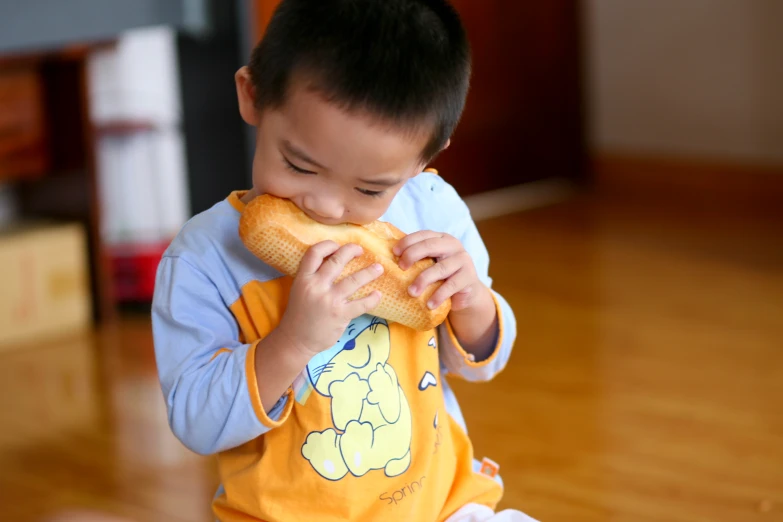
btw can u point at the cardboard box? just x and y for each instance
(44, 283)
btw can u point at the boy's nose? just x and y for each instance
(323, 209)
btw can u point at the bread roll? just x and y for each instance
(279, 234)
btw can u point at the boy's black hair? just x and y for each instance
(404, 61)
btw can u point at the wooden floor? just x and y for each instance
(646, 385)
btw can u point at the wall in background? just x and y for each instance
(691, 78)
(34, 25)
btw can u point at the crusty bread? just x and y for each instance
(278, 233)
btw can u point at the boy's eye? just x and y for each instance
(293, 167)
(372, 193)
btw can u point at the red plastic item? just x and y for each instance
(133, 269)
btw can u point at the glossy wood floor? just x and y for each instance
(646, 385)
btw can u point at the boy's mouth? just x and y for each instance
(321, 219)
(328, 221)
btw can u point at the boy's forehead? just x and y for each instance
(314, 122)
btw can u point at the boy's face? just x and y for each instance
(335, 166)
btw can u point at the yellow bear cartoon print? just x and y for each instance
(370, 415)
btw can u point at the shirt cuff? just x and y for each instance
(281, 410)
(468, 359)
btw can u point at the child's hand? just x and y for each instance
(454, 266)
(318, 309)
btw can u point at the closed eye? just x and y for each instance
(371, 193)
(298, 170)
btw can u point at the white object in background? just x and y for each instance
(138, 174)
(105, 163)
(171, 181)
(137, 80)
(136, 109)
(143, 186)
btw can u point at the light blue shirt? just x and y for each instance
(202, 273)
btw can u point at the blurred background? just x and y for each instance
(623, 159)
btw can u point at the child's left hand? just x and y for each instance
(454, 266)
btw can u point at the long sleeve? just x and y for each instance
(207, 376)
(455, 359)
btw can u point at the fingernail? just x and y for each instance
(377, 267)
(431, 305)
(412, 291)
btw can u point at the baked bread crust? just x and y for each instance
(279, 234)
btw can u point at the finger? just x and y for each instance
(315, 255)
(456, 283)
(437, 272)
(353, 282)
(333, 265)
(436, 247)
(363, 305)
(411, 239)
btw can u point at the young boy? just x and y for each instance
(318, 410)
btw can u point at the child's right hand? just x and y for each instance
(319, 310)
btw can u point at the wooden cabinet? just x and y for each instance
(46, 150)
(524, 115)
(523, 120)
(22, 124)
(262, 11)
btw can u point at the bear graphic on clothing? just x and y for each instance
(371, 416)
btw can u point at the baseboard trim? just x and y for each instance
(690, 180)
(519, 198)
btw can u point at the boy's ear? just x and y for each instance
(448, 142)
(246, 93)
